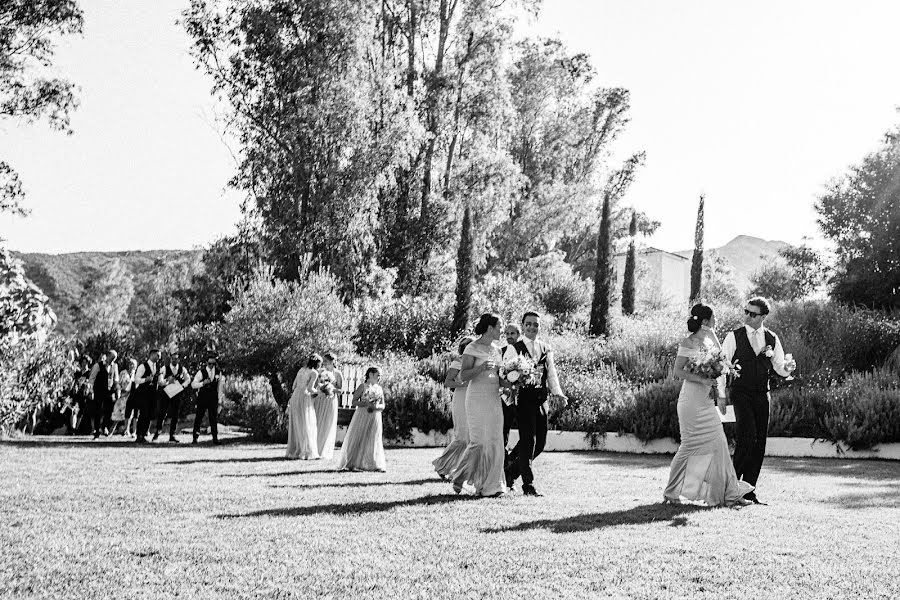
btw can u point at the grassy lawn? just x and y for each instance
(111, 520)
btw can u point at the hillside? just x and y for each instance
(63, 277)
(745, 254)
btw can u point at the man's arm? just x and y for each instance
(185, 377)
(198, 380)
(778, 358)
(553, 376)
(95, 370)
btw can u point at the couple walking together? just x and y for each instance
(477, 456)
(702, 469)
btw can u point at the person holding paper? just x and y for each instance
(173, 379)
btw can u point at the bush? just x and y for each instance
(417, 326)
(414, 402)
(249, 403)
(655, 413)
(864, 410)
(798, 411)
(562, 293)
(597, 400)
(509, 297)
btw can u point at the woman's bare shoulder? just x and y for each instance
(689, 342)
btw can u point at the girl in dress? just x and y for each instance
(126, 376)
(331, 382)
(302, 430)
(452, 456)
(702, 468)
(363, 449)
(482, 464)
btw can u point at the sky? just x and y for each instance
(756, 105)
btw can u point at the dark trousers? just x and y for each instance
(167, 406)
(212, 407)
(93, 413)
(509, 415)
(108, 405)
(532, 418)
(146, 405)
(751, 415)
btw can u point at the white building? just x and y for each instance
(659, 275)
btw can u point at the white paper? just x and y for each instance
(728, 417)
(173, 389)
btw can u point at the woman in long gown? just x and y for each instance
(302, 430)
(482, 464)
(450, 459)
(702, 468)
(330, 385)
(363, 448)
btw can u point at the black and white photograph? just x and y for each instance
(444, 299)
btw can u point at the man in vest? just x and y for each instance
(208, 382)
(531, 409)
(174, 374)
(145, 386)
(512, 333)
(758, 352)
(102, 394)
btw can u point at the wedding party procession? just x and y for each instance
(391, 299)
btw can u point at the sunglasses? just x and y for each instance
(750, 313)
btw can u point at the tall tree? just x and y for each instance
(697, 259)
(103, 305)
(617, 184)
(464, 274)
(28, 90)
(628, 284)
(860, 214)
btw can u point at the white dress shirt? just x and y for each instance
(140, 377)
(757, 339)
(535, 348)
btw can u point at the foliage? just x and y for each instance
(255, 409)
(697, 259)
(414, 402)
(774, 280)
(414, 325)
(104, 303)
(24, 309)
(864, 410)
(860, 214)
(156, 311)
(34, 373)
(628, 280)
(719, 286)
(28, 90)
(464, 273)
(655, 413)
(798, 411)
(808, 269)
(597, 400)
(112, 339)
(273, 324)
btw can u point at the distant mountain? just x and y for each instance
(63, 277)
(745, 254)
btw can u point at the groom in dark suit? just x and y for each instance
(759, 353)
(531, 405)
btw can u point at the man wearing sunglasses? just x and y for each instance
(758, 352)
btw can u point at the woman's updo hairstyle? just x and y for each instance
(486, 321)
(699, 313)
(314, 362)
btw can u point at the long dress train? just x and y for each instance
(482, 463)
(363, 448)
(302, 418)
(326, 406)
(450, 459)
(702, 468)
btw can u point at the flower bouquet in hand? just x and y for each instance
(326, 384)
(515, 372)
(374, 398)
(711, 363)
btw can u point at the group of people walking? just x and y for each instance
(313, 412)
(108, 396)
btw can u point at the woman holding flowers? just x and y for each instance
(482, 464)
(326, 404)
(702, 469)
(363, 448)
(301, 413)
(450, 459)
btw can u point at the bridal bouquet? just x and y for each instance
(326, 384)
(711, 363)
(374, 397)
(515, 372)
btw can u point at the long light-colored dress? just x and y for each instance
(302, 417)
(452, 456)
(326, 406)
(363, 448)
(702, 468)
(482, 464)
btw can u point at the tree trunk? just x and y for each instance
(281, 395)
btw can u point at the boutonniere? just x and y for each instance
(768, 351)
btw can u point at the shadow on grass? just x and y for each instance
(350, 509)
(631, 461)
(114, 441)
(639, 515)
(876, 470)
(280, 473)
(225, 459)
(352, 484)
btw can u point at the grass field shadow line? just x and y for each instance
(257, 459)
(280, 473)
(639, 515)
(355, 484)
(348, 509)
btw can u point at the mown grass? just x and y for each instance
(111, 520)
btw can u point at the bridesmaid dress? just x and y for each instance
(702, 469)
(302, 418)
(482, 463)
(326, 407)
(452, 456)
(363, 449)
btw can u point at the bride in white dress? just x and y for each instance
(481, 466)
(702, 469)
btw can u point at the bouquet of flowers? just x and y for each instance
(374, 397)
(326, 384)
(515, 372)
(711, 363)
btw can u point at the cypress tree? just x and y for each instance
(697, 262)
(599, 324)
(628, 285)
(464, 274)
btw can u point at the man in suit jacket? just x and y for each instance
(531, 409)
